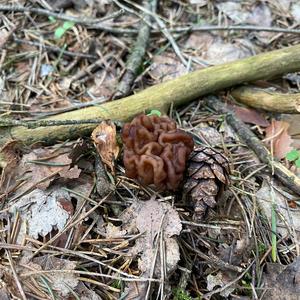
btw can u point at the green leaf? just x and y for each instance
(297, 162)
(59, 32)
(68, 24)
(292, 155)
(154, 112)
(52, 19)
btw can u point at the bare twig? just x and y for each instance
(15, 275)
(234, 28)
(136, 57)
(37, 272)
(214, 260)
(45, 12)
(95, 23)
(163, 29)
(191, 28)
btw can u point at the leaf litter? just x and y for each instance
(157, 222)
(44, 189)
(42, 211)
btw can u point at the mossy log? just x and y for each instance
(178, 91)
(267, 100)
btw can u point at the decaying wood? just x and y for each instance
(286, 177)
(267, 100)
(178, 91)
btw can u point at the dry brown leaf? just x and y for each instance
(105, 141)
(209, 134)
(85, 293)
(9, 154)
(249, 115)
(8, 286)
(282, 282)
(294, 128)
(278, 137)
(288, 218)
(152, 217)
(258, 15)
(199, 41)
(104, 84)
(71, 173)
(38, 172)
(221, 279)
(222, 52)
(166, 67)
(61, 282)
(37, 169)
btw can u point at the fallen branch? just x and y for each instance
(285, 176)
(135, 59)
(61, 16)
(99, 23)
(267, 100)
(44, 123)
(178, 91)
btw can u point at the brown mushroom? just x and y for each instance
(156, 151)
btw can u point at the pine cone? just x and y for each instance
(208, 174)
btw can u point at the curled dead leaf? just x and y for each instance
(105, 141)
(278, 138)
(39, 169)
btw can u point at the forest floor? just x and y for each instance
(74, 226)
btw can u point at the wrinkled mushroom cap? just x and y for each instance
(156, 151)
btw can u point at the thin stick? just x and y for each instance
(164, 30)
(250, 139)
(192, 28)
(234, 28)
(37, 272)
(137, 54)
(15, 275)
(61, 16)
(94, 23)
